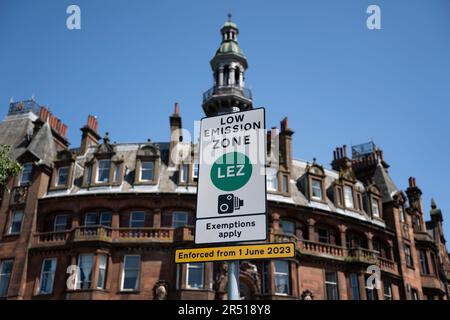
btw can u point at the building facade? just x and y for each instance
(102, 221)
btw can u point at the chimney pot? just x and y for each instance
(177, 109)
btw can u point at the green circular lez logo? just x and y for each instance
(231, 171)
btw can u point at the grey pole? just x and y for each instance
(233, 269)
(233, 280)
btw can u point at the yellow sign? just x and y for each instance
(246, 252)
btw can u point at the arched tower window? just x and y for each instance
(237, 74)
(226, 75)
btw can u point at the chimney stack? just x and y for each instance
(90, 135)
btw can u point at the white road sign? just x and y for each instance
(231, 194)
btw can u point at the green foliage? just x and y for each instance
(8, 167)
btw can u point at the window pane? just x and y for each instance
(184, 173)
(131, 272)
(27, 171)
(271, 179)
(5, 275)
(103, 170)
(16, 222)
(106, 219)
(354, 285)
(179, 219)
(323, 236)
(90, 219)
(288, 226)
(195, 275)
(85, 263)
(147, 170)
(375, 207)
(348, 193)
(47, 276)
(137, 219)
(285, 183)
(195, 170)
(316, 189)
(60, 223)
(281, 277)
(116, 172)
(102, 260)
(387, 291)
(331, 284)
(63, 174)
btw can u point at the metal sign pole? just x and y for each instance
(233, 280)
(233, 271)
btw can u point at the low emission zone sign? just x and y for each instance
(231, 196)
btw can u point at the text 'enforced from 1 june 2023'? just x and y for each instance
(244, 252)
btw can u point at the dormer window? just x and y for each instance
(184, 173)
(195, 167)
(348, 197)
(63, 170)
(63, 175)
(375, 207)
(373, 201)
(272, 179)
(316, 189)
(315, 176)
(27, 174)
(147, 170)
(104, 167)
(147, 164)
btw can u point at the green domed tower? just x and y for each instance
(228, 65)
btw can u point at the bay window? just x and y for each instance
(281, 275)
(85, 265)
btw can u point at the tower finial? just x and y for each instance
(230, 14)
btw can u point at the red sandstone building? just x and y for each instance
(118, 212)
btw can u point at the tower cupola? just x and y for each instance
(228, 65)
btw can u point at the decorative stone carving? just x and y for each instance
(161, 290)
(307, 295)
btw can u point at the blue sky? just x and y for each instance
(313, 61)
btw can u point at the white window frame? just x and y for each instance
(78, 278)
(272, 179)
(50, 273)
(102, 267)
(100, 168)
(195, 168)
(284, 275)
(175, 213)
(26, 168)
(195, 266)
(13, 221)
(320, 197)
(136, 220)
(136, 288)
(184, 173)
(348, 197)
(58, 183)
(375, 203)
(331, 283)
(55, 222)
(152, 170)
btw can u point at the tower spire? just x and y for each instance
(228, 65)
